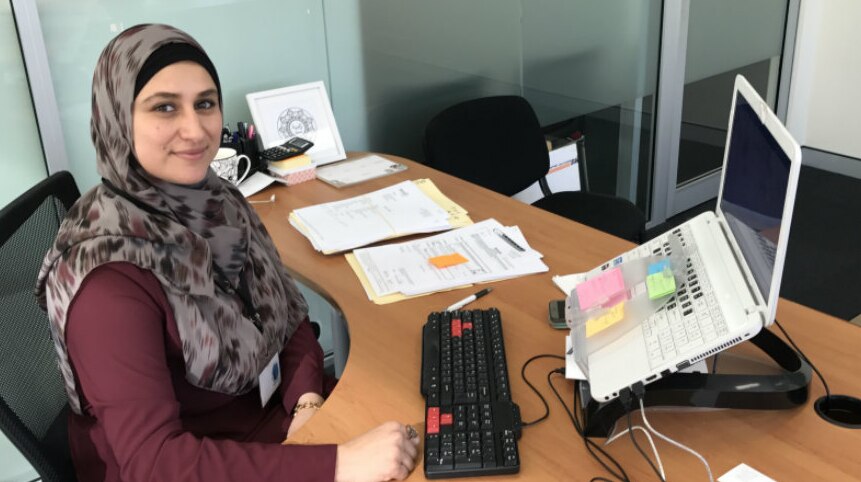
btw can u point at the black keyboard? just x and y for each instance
(471, 424)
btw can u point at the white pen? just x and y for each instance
(469, 299)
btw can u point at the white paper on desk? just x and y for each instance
(353, 171)
(396, 210)
(744, 473)
(568, 282)
(404, 267)
(254, 184)
(572, 369)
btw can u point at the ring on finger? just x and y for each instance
(411, 432)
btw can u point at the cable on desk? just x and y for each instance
(651, 443)
(804, 357)
(541, 397)
(673, 442)
(625, 398)
(590, 445)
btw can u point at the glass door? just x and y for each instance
(717, 40)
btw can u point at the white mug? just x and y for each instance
(226, 165)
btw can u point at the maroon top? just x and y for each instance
(144, 422)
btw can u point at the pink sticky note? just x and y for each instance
(606, 289)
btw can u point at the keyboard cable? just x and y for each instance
(625, 398)
(648, 437)
(591, 446)
(541, 397)
(624, 476)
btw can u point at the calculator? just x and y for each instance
(292, 147)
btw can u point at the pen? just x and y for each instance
(469, 299)
(508, 240)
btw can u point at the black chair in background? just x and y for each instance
(33, 403)
(497, 143)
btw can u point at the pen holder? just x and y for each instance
(250, 148)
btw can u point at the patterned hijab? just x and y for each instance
(234, 303)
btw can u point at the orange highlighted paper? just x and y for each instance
(608, 319)
(447, 260)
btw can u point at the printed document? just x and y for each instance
(405, 268)
(397, 210)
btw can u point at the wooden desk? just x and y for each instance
(382, 375)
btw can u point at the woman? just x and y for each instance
(173, 317)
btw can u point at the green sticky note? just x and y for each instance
(660, 284)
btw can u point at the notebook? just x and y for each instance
(730, 284)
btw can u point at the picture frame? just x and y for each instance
(301, 110)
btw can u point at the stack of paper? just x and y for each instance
(408, 207)
(490, 252)
(289, 165)
(293, 170)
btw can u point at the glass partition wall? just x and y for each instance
(591, 69)
(722, 39)
(646, 82)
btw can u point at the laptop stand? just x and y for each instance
(715, 390)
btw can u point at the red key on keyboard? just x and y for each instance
(433, 420)
(455, 327)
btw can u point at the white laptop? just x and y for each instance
(732, 279)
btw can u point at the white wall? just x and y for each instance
(825, 99)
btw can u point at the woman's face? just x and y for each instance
(176, 123)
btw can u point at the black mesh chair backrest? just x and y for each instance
(33, 404)
(495, 142)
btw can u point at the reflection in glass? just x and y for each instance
(754, 193)
(724, 39)
(591, 68)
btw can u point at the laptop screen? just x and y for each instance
(754, 191)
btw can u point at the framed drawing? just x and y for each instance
(298, 111)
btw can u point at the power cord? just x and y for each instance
(541, 397)
(673, 442)
(625, 398)
(804, 357)
(590, 445)
(648, 437)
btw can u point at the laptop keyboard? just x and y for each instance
(691, 317)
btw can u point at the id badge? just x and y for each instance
(269, 380)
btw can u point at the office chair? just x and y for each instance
(33, 403)
(497, 143)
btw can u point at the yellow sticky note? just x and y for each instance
(447, 260)
(608, 319)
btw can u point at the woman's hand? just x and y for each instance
(303, 415)
(385, 453)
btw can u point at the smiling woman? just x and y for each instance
(183, 341)
(177, 123)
